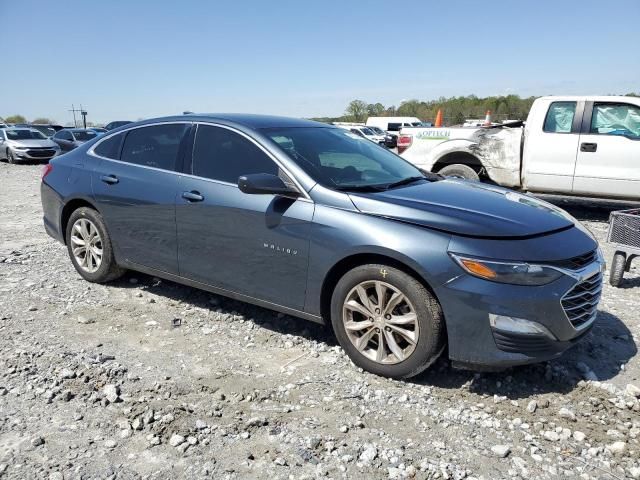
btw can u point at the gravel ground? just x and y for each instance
(144, 378)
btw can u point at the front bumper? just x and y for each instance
(469, 302)
(34, 154)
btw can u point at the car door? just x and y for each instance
(135, 186)
(551, 146)
(64, 139)
(254, 245)
(608, 161)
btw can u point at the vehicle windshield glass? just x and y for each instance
(47, 131)
(24, 135)
(83, 135)
(367, 131)
(341, 159)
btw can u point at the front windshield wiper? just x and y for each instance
(405, 181)
(361, 188)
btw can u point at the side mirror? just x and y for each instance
(265, 183)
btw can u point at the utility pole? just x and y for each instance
(83, 112)
(73, 110)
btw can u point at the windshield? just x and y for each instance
(47, 131)
(340, 159)
(24, 135)
(367, 131)
(84, 135)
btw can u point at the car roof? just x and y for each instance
(252, 121)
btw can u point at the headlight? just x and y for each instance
(17, 147)
(516, 273)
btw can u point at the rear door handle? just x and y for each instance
(192, 196)
(588, 147)
(110, 179)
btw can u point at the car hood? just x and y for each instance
(465, 208)
(45, 142)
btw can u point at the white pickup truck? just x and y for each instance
(587, 146)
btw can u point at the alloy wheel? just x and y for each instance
(380, 322)
(86, 245)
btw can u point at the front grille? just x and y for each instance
(576, 263)
(41, 152)
(581, 302)
(624, 227)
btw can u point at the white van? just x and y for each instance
(393, 124)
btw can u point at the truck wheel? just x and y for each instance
(386, 321)
(459, 170)
(617, 269)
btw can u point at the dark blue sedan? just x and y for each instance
(316, 222)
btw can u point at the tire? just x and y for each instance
(107, 269)
(618, 265)
(10, 157)
(428, 325)
(459, 170)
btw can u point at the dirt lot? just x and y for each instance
(97, 382)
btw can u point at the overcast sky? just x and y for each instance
(139, 59)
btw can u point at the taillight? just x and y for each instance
(404, 142)
(46, 170)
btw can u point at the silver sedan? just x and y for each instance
(26, 144)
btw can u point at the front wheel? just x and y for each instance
(617, 269)
(386, 321)
(90, 248)
(10, 157)
(459, 170)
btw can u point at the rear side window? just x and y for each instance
(110, 148)
(64, 135)
(156, 146)
(560, 117)
(220, 154)
(616, 119)
(394, 127)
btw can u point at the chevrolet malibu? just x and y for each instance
(316, 222)
(26, 144)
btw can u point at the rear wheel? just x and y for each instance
(617, 269)
(459, 170)
(90, 248)
(387, 322)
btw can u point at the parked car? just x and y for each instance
(20, 144)
(362, 131)
(116, 124)
(307, 219)
(71, 138)
(393, 125)
(587, 146)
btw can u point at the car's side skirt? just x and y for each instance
(221, 291)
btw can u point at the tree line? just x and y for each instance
(455, 109)
(21, 119)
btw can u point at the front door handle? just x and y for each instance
(192, 196)
(588, 147)
(110, 179)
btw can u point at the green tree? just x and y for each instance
(15, 119)
(409, 108)
(42, 121)
(375, 109)
(357, 110)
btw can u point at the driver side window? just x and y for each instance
(615, 119)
